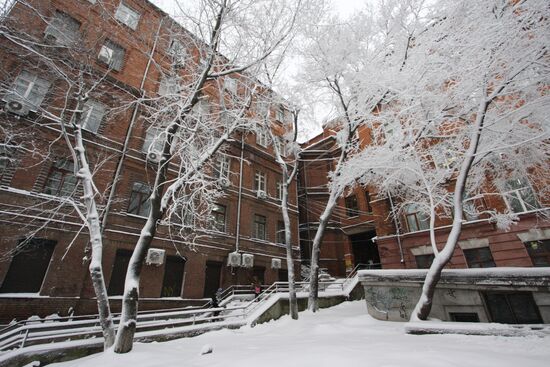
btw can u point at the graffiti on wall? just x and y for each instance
(385, 299)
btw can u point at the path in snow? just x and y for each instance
(343, 335)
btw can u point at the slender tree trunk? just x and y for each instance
(424, 305)
(293, 302)
(128, 318)
(313, 299)
(96, 242)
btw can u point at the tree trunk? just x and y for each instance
(96, 242)
(293, 302)
(313, 299)
(128, 318)
(424, 305)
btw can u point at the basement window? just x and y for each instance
(513, 308)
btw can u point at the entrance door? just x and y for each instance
(173, 277)
(364, 250)
(212, 278)
(118, 275)
(258, 273)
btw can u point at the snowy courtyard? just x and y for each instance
(343, 335)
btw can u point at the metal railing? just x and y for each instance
(34, 332)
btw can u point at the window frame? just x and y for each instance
(219, 217)
(421, 220)
(262, 138)
(114, 53)
(139, 190)
(62, 30)
(518, 196)
(32, 83)
(127, 15)
(90, 108)
(222, 167)
(280, 235)
(535, 255)
(61, 167)
(260, 227)
(474, 260)
(260, 181)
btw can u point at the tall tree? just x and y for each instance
(248, 31)
(465, 121)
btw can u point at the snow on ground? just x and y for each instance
(343, 335)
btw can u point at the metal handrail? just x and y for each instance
(30, 332)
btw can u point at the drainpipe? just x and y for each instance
(397, 229)
(128, 135)
(238, 229)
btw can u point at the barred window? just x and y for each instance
(61, 180)
(112, 54)
(63, 28)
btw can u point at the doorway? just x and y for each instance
(212, 278)
(173, 277)
(364, 250)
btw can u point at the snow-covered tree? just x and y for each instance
(52, 62)
(464, 118)
(338, 55)
(204, 109)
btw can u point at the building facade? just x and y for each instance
(363, 230)
(129, 47)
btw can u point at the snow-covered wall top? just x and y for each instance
(507, 276)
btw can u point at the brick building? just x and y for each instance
(362, 230)
(129, 45)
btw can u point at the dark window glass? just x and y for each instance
(61, 180)
(139, 199)
(28, 267)
(118, 275)
(464, 316)
(283, 275)
(539, 251)
(352, 209)
(513, 308)
(173, 277)
(424, 261)
(479, 258)
(281, 232)
(259, 226)
(367, 201)
(218, 218)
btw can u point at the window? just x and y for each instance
(464, 316)
(201, 110)
(259, 227)
(280, 114)
(5, 158)
(230, 85)
(112, 54)
(367, 202)
(279, 190)
(519, 196)
(261, 138)
(479, 257)
(259, 181)
(539, 251)
(281, 238)
(173, 277)
(29, 89)
(281, 147)
(61, 181)
(169, 86)
(352, 208)
(154, 140)
(424, 261)
(92, 115)
(178, 52)
(29, 266)
(221, 169)
(139, 199)
(127, 15)
(416, 220)
(218, 218)
(63, 28)
(513, 308)
(118, 275)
